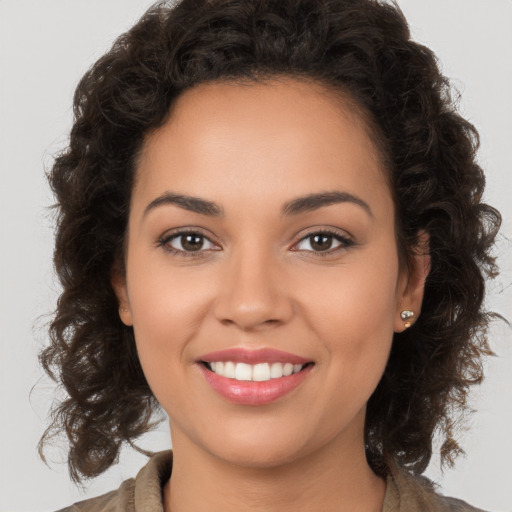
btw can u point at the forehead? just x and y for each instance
(291, 134)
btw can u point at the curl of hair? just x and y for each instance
(359, 47)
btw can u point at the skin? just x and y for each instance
(259, 282)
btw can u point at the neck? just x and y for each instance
(336, 477)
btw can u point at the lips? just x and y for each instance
(263, 355)
(253, 377)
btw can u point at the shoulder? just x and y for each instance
(411, 493)
(113, 501)
(142, 493)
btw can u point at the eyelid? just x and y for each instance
(166, 238)
(345, 239)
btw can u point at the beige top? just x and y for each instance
(404, 493)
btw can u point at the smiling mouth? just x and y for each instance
(254, 377)
(260, 372)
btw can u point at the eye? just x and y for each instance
(324, 241)
(186, 243)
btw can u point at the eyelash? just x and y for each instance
(167, 238)
(345, 243)
(164, 241)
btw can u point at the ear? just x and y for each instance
(412, 284)
(118, 281)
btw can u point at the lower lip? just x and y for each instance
(253, 393)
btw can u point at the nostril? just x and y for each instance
(248, 323)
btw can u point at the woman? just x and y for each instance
(270, 225)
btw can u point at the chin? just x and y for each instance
(259, 456)
(260, 447)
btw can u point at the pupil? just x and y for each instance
(321, 242)
(192, 242)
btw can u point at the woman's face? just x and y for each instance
(261, 236)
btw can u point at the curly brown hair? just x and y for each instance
(359, 47)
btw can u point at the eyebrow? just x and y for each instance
(296, 206)
(190, 203)
(314, 201)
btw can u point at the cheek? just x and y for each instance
(352, 311)
(167, 306)
(162, 294)
(359, 296)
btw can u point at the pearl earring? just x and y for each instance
(406, 315)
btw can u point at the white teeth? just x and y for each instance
(260, 372)
(276, 370)
(287, 369)
(229, 370)
(243, 371)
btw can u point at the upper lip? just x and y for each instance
(253, 356)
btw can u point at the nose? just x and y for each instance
(254, 293)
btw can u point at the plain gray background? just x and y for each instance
(45, 47)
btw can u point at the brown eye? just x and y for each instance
(188, 242)
(324, 242)
(192, 242)
(321, 242)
